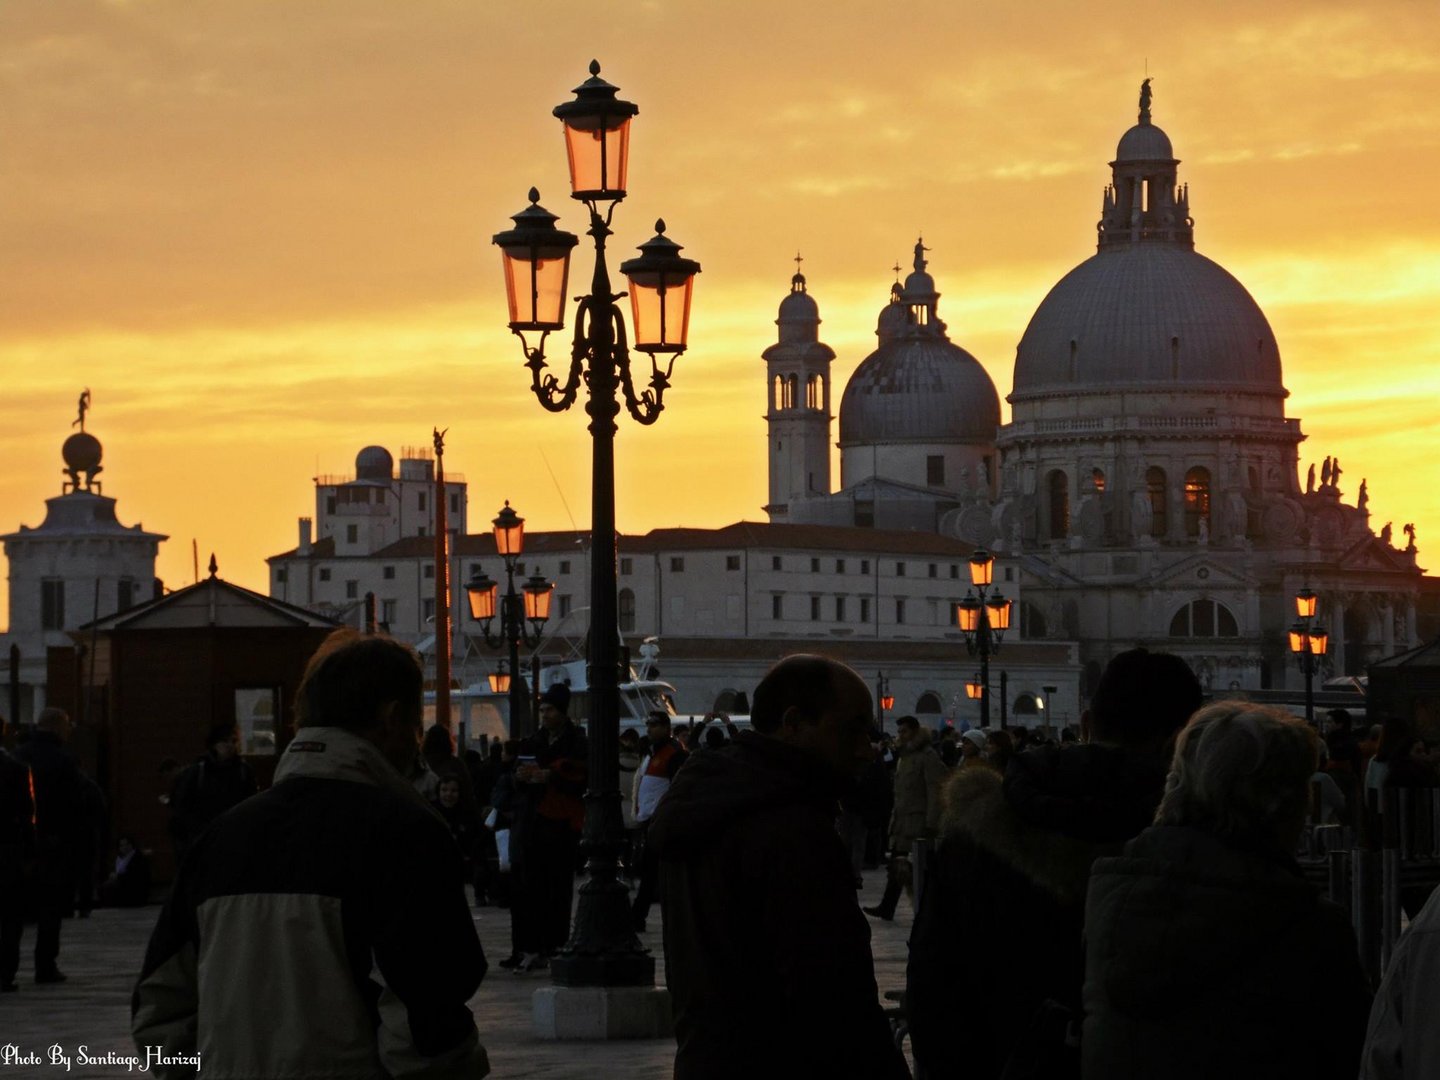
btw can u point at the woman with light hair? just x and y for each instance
(1207, 952)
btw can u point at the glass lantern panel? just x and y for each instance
(599, 152)
(537, 602)
(535, 288)
(500, 683)
(1297, 641)
(482, 600)
(968, 616)
(510, 542)
(1319, 640)
(999, 614)
(661, 312)
(981, 569)
(1305, 604)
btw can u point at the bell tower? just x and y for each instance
(797, 376)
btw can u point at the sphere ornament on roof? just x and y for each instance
(82, 451)
(918, 386)
(1146, 309)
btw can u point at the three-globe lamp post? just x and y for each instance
(604, 949)
(531, 605)
(1308, 643)
(984, 616)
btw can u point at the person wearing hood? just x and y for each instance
(260, 963)
(919, 775)
(1208, 953)
(767, 955)
(1017, 850)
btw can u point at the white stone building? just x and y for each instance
(78, 565)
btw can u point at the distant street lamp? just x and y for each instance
(604, 949)
(984, 616)
(884, 697)
(530, 605)
(1307, 643)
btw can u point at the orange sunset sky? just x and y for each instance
(259, 231)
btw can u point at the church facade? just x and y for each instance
(1147, 487)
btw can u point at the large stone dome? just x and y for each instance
(919, 390)
(1146, 314)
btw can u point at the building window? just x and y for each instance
(352, 590)
(864, 513)
(429, 571)
(520, 569)
(564, 566)
(839, 566)
(455, 504)
(777, 606)
(1059, 486)
(324, 573)
(388, 573)
(954, 571)
(899, 569)
(935, 470)
(1204, 619)
(1032, 623)
(774, 562)
(389, 612)
(928, 704)
(864, 609)
(427, 609)
(352, 534)
(732, 562)
(626, 601)
(52, 604)
(256, 710)
(864, 566)
(1009, 573)
(330, 504)
(1197, 500)
(814, 609)
(420, 502)
(899, 610)
(280, 575)
(934, 570)
(814, 395)
(627, 566)
(1155, 484)
(839, 609)
(814, 566)
(565, 605)
(422, 531)
(677, 564)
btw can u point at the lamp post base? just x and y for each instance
(602, 1012)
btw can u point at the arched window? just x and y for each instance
(1197, 500)
(1204, 619)
(1059, 485)
(626, 600)
(1026, 705)
(929, 704)
(812, 392)
(1155, 483)
(792, 390)
(726, 700)
(1032, 623)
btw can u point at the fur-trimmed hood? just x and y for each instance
(1055, 811)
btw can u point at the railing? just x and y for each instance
(1260, 425)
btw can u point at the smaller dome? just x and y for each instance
(1144, 142)
(799, 304)
(81, 452)
(374, 463)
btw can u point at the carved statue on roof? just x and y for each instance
(1145, 102)
(920, 250)
(1363, 499)
(1325, 474)
(1310, 480)
(83, 407)
(1387, 533)
(1410, 532)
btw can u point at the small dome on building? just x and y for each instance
(1144, 142)
(374, 463)
(799, 314)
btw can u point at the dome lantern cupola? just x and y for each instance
(1143, 202)
(799, 317)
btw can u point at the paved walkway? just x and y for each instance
(102, 956)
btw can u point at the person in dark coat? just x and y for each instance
(212, 784)
(17, 848)
(767, 955)
(59, 819)
(129, 883)
(550, 780)
(1016, 851)
(1207, 952)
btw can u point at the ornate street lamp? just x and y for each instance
(515, 612)
(983, 617)
(604, 949)
(884, 697)
(1308, 643)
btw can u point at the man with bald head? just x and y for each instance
(767, 955)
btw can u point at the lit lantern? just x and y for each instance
(500, 681)
(975, 689)
(967, 614)
(597, 138)
(661, 281)
(998, 610)
(887, 702)
(1319, 642)
(537, 598)
(982, 565)
(509, 532)
(481, 591)
(1298, 636)
(536, 257)
(1305, 603)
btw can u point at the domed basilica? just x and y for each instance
(1146, 490)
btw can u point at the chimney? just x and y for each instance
(305, 543)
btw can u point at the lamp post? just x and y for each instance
(530, 605)
(604, 949)
(1308, 643)
(883, 697)
(984, 616)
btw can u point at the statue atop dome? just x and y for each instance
(82, 452)
(84, 407)
(1145, 102)
(920, 262)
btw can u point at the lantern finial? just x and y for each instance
(594, 67)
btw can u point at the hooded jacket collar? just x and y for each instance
(330, 753)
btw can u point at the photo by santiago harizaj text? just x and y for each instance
(58, 1057)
